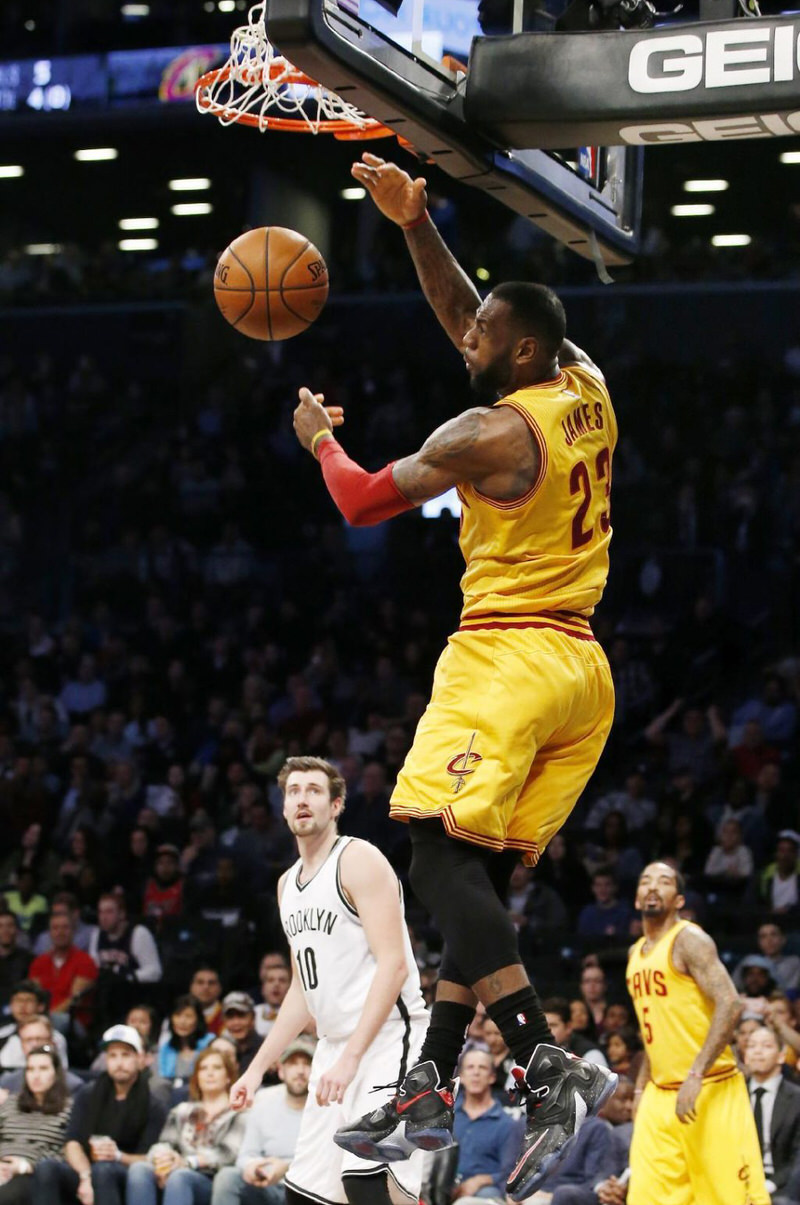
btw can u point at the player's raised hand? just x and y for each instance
(336, 1080)
(398, 197)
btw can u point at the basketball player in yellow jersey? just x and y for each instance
(522, 698)
(694, 1137)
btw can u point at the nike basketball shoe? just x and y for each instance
(560, 1091)
(419, 1117)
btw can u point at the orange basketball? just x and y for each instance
(271, 283)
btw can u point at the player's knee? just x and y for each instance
(372, 1189)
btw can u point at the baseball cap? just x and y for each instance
(756, 960)
(123, 1033)
(789, 834)
(305, 1046)
(238, 1002)
(168, 849)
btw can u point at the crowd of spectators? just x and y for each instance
(182, 609)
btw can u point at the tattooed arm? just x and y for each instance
(449, 291)
(695, 954)
(491, 449)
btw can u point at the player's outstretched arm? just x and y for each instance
(371, 885)
(696, 954)
(447, 288)
(492, 449)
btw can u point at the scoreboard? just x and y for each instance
(121, 79)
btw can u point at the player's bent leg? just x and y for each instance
(560, 1091)
(369, 1189)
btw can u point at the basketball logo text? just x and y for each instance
(317, 269)
(222, 272)
(647, 983)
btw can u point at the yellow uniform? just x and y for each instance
(522, 699)
(714, 1160)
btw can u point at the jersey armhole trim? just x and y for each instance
(340, 891)
(681, 927)
(536, 431)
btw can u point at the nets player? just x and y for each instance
(694, 1137)
(354, 973)
(522, 699)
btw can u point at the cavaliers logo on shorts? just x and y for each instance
(463, 764)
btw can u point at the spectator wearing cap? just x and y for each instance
(186, 1036)
(270, 1138)
(784, 968)
(757, 983)
(163, 893)
(239, 1015)
(66, 972)
(780, 884)
(115, 1120)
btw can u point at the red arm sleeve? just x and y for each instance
(363, 498)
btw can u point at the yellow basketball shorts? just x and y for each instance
(517, 721)
(714, 1160)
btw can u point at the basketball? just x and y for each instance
(271, 283)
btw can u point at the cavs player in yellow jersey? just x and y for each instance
(522, 699)
(694, 1137)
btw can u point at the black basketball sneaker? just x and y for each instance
(560, 1091)
(419, 1117)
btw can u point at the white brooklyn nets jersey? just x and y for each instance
(330, 950)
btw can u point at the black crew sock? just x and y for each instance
(445, 1036)
(522, 1023)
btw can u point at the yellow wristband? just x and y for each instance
(319, 435)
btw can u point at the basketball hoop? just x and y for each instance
(258, 87)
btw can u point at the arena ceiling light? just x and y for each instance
(705, 186)
(353, 194)
(138, 223)
(10, 171)
(731, 240)
(137, 244)
(189, 184)
(226, 6)
(132, 12)
(192, 209)
(94, 154)
(692, 211)
(43, 248)
(790, 157)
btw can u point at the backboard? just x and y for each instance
(395, 68)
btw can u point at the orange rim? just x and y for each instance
(339, 127)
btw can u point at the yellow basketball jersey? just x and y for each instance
(673, 1013)
(547, 550)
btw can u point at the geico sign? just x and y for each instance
(726, 58)
(714, 129)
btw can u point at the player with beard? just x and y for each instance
(354, 975)
(694, 1137)
(522, 698)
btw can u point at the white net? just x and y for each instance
(258, 86)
